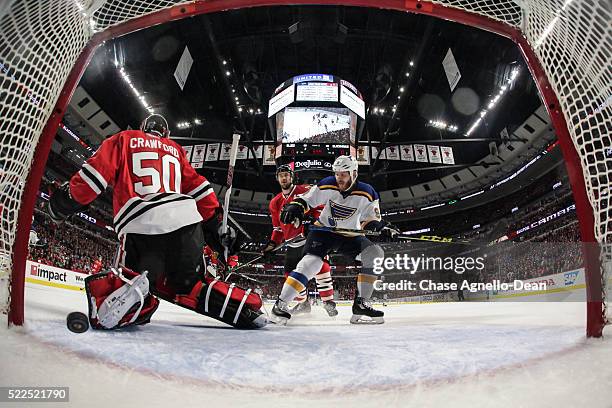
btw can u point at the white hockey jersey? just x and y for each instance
(343, 209)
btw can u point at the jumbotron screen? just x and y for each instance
(316, 125)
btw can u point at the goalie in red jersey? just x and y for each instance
(285, 232)
(164, 214)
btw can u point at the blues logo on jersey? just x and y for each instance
(341, 212)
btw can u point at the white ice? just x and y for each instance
(524, 354)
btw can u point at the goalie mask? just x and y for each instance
(155, 124)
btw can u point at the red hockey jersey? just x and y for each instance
(283, 232)
(155, 189)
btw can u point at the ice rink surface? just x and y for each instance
(527, 354)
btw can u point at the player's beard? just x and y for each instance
(345, 185)
(286, 186)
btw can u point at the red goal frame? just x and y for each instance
(595, 302)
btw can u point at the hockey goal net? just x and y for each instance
(45, 46)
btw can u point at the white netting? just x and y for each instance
(41, 40)
(39, 43)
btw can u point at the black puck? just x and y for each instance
(77, 322)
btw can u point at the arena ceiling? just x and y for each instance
(395, 59)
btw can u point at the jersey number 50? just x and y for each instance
(157, 179)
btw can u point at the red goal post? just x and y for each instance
(45, 47)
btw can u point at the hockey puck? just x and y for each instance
(77, 322)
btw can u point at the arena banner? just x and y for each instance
(46, 275)
(554, 284)
(565, 286)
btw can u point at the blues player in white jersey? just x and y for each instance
(348, 204)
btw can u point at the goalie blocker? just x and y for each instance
(119, 299)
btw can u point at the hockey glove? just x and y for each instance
(61, 205)
(211, 228)
(291, 212)
(390, 231)
(268, 252)
(386, 229)
(233, 239)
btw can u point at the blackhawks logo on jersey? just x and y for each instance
(341, 212)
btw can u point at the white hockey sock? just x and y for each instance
(298, 279)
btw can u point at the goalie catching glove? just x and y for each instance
(61, 205)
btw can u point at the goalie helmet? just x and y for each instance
(155, 124)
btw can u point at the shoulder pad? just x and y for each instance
(328, 183)
(366, 190)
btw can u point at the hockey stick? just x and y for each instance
(425, 238)
(228, 192)
(344, 230)
(284, 244)
(242, 276)
(237, 225)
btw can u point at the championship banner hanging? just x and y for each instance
(392, 153)
(225, 151)
(447, 155)
(406, 153)
(188, 150)
(434, 154)
(199, 153)
(420, 153)
(212, 154)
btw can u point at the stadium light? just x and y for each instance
(493, 102)
(128, 81)
(443, 125)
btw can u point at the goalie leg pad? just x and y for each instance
(230, 304)
(117, 301)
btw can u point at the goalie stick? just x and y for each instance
(228, 191)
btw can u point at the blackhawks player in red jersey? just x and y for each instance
(164, 214)
(285, 232)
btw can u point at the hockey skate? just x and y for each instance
(280, 313)
(301, 308)
(330, 308)
(364, 313)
